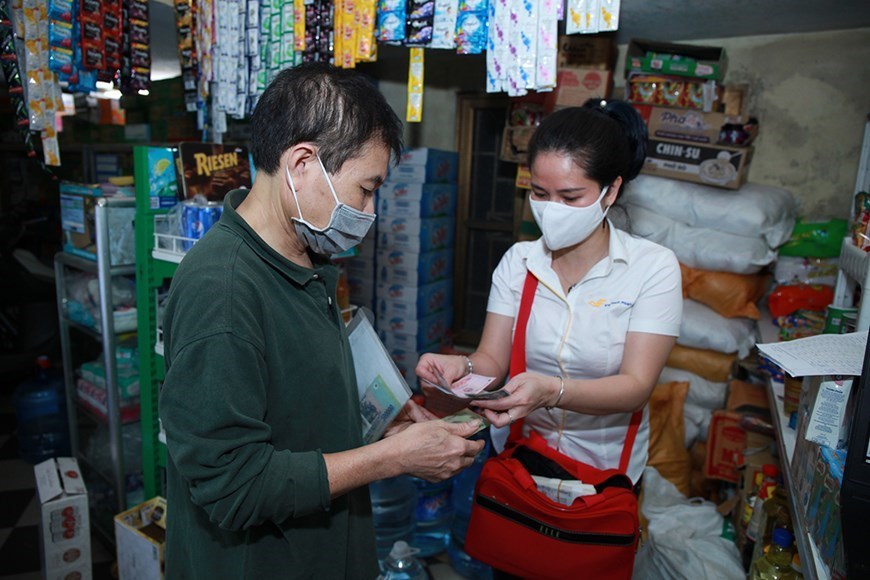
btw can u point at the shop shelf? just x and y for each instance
(786, 438)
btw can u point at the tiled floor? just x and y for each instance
(19, 509)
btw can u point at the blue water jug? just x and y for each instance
(40, 410)
(393, 503)
(463, 499)
(434, 514)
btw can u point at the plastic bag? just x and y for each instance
(702, 392)
(752, 210)
(667, 448)
(699, 247)
(685, 536)
(701, 327)
(709, 364)
(731, 295)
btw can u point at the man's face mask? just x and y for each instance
(346, 227)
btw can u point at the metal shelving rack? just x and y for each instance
(811, 560)
(153, 267)
(106, 335)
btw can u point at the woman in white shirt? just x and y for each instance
(607, 305)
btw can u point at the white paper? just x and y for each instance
(381, 387)
(825, 354)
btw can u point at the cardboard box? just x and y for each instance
(515, 144)
(428, 298)
(412, 269)
(416, 236)
(140, 534)
(403, 190)
(399, 333)
(362, 290)
(587, 50)
(649, 56)
(716, 165)
(64, 523)
(426, 165)
(576, 85)
(78, 203)
(725, 443)
(360, 268)
(730, 448)
(685, 124)
(391, 308)
(439, 199)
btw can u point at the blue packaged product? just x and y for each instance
(471, 26)
(391, 21)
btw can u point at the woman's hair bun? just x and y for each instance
(633, 126)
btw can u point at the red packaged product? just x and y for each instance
(788, 298)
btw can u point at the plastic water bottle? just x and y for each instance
(402, 565)
(434, 514)
(463, 499)
(40, 409)
(393, 504)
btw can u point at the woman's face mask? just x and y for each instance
(563, 225)
(346, 227)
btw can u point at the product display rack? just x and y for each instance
(811, 562)
(854, 271)
(107, 337)
(153, 268)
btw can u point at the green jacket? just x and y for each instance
(259, 384)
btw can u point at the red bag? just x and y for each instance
(516, 528)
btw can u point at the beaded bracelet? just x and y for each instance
(561, 392)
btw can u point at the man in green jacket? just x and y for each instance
(266, 471)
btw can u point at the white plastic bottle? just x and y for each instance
(402, 565)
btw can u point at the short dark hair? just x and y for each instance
(338, 110)
(607, 139)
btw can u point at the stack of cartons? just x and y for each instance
(414, 263)
(360, 271)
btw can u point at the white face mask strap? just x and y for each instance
(328, 180)
(603, 194)
(293, 190)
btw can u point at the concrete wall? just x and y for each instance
(810, 92)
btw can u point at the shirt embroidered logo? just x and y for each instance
(597, 303)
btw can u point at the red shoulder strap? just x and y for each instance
(518, 349)
(518, 366)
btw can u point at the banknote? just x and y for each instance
(465, 416)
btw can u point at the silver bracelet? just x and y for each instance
(561, 392)
(469, 366)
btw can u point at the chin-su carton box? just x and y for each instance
(412, 269)
(64, 523)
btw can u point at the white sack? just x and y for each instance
(703, 327)
(698, 247)
(704, 393)
(752, 210)
(685, 537)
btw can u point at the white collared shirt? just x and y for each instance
(581, 335)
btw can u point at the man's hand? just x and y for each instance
(436, 450)
(411, 413)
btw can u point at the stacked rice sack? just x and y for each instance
(723, 240)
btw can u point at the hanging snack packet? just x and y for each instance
(608, 19)
(414, 113)
(582, 17)
(391, 21)
(418, 26)
(471, 26)
(444, 24)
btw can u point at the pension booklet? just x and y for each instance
(382, 388)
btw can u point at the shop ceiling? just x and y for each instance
(653, 19)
